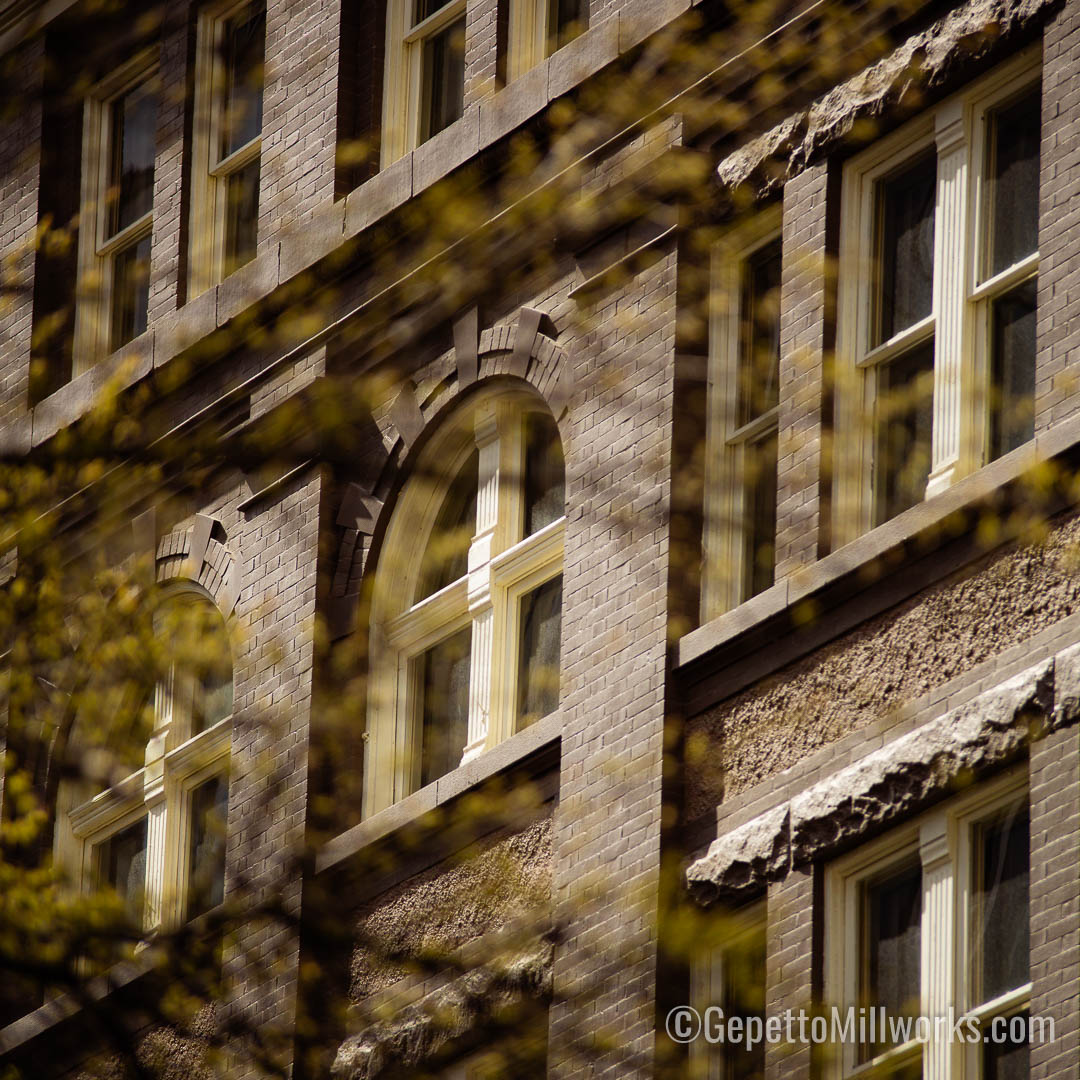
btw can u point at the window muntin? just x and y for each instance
(156, 836)
(965, 304)
(119, 145)
(425, 72)
(227, 144)
(742, 436)
(940, 906)
(459, 663)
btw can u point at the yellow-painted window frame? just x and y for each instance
(97, 251)
(955, 129)
(209, 177)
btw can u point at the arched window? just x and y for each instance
(467, 604)
(157, 835)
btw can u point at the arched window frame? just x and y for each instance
(503, 567)
(176, 763)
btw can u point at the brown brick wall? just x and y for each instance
(607, 833)
(299, 112)
(20, 134)
(1055, 901)
(789, 957)
(1057, 371)
(803, 313)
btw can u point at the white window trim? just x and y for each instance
(940, 840)
(403, 107)
(206, 248)
(501, 571)
(160, 791)
(956, 129)
(708, 977)
(96, 251)
(723, 563)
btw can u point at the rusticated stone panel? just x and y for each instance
(862, 677)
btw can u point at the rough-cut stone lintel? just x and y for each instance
(901, 778)
(420, 1030)
(925, 62)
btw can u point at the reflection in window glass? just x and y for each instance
(206, 853)
(904, 428)
(241, 216)
(1014, 181)
(446, 557)
(545, 471)
(538, 662)
(1009, 1060)
(566, 19)
(131, 170)
(130, 292)
(444, 78)
(759, 514)
(892, 940)
(906, 247)
(1003, 906)
(121, 862)
(759, 367)
(445, 712)
(744, 996)
(1012, 402)
(244, 47)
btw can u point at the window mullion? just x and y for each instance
(480, 593)
(951, 371)
(936, 961)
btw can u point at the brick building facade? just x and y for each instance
(805, 677)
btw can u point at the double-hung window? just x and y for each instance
(227, 141)
(744, 379)
(157, 836)
(934, 918)
(728, 982)
(119, 140)
(939, 263)
(467, 607)
(425, 72)
(539, 27)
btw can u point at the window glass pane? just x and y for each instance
(759, 368)
(130, 292)
(545, 471)
(904, 422)
(892, 929)
(744, 996)
(906, 247)
(1012, 400)
(445, 705)
(538, 663)
(759, 514)
(131, 168)
(206, 855)
(1008, 1060)
(424, 8)
(1014, 171)
(446, 557)
(566, 19)
(444, 78)
(1003, 904)
(213, 695)
(121, 864)
(241, 216)
(244, 46)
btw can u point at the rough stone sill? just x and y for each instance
(885, 543)
(409, 810)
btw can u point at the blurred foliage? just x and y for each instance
(89, 635)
